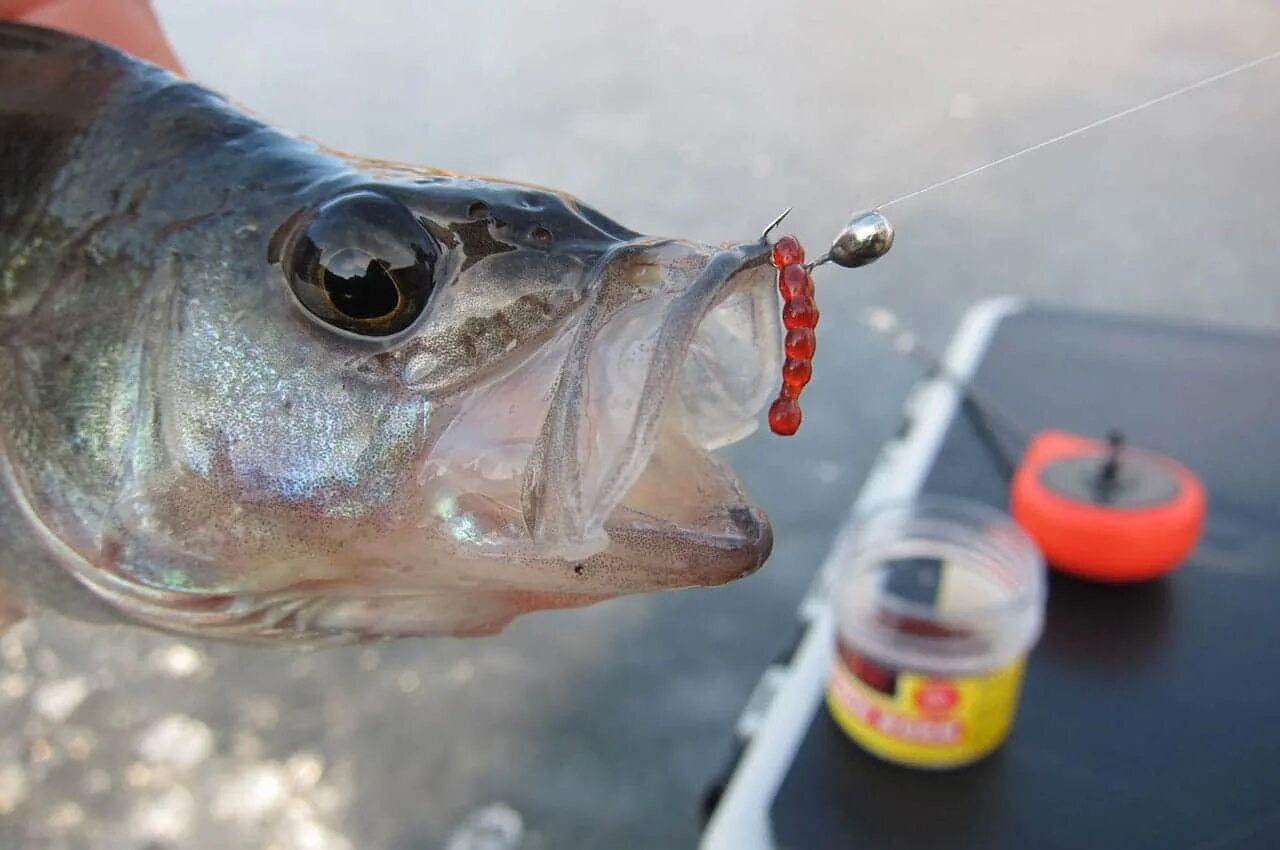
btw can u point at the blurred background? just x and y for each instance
(600, 728)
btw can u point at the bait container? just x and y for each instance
(936, 606)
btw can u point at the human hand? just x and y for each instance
(129, 25)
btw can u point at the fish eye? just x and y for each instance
(360, 263)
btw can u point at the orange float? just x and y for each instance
(1105, 512)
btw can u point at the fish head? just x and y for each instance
(426, 406)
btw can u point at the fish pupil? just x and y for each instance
(370, 294)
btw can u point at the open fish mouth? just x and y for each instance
(595, 444)
(674, 354)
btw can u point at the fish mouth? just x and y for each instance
(666, 361)
(674, 355)
(629, 355)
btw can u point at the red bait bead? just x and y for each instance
(801, 343)
(787, 251)
(800, 313)
(784, 416)
(796, 373)
(794, 281)
(800, 316)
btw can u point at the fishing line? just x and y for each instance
(1210, 80)
(868, 236)
(886, 323)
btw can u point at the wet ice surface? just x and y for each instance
(124, 744)
(599, 728)
(154, 742)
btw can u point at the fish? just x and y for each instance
(254, 389)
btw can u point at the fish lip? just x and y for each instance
(710, 558)
(555, 451)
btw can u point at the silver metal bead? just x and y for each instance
(866, 238)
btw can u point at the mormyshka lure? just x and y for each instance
(866, 238)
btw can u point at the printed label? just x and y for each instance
(921, 720)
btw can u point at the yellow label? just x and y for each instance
(924, 721)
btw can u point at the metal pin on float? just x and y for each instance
(866, 238)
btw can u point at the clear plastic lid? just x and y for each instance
(942, 586)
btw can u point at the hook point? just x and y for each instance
(776, 222)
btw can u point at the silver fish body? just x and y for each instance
(253, 389)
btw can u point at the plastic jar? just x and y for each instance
(936, 609)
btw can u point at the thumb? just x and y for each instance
(130, 25)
